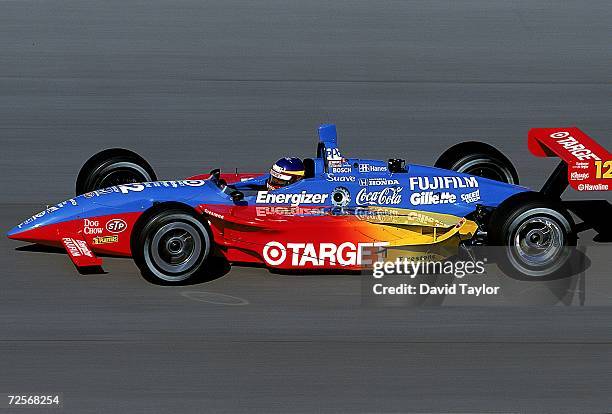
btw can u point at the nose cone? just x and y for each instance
(14, 233)
(23, 230)
(43, 227)
(32, 233)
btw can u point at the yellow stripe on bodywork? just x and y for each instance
(403, 227)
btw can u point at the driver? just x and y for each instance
(285, 171)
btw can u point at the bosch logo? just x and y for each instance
(116, 225)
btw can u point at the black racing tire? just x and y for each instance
(171, 246)
(537, 237)
(480, 159)
(113, 167)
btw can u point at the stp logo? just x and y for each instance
(116, 225)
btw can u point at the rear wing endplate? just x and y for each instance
(589, 165)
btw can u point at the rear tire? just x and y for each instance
(537, 237)
(171, 247)
(113, 167)
(480, 159)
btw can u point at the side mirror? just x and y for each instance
(237, 196)
(215, 174)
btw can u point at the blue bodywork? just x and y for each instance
(332, 181)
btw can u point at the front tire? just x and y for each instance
(112, 167)
(171, 247)
(537, 237)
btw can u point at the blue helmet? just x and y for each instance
(285, 171)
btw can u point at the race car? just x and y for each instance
(336, 213)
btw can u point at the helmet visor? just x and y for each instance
(281, 179)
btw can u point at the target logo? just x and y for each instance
(274, 253)
(321, 254)
(571, 144)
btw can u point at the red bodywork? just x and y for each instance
(282, 237)
(302, 237)
(287, 237)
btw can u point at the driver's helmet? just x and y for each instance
(285, 171)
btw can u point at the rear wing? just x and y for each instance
(589, 165)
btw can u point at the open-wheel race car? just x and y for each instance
(339, 214)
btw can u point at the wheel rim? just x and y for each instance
(122, 173)
(537, 242)
(175, 249)
(485, 168)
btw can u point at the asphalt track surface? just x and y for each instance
(196, 85)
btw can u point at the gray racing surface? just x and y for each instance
(197, 85)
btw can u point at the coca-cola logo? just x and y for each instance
(386, 196)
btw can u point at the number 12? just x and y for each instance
(603, 169)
